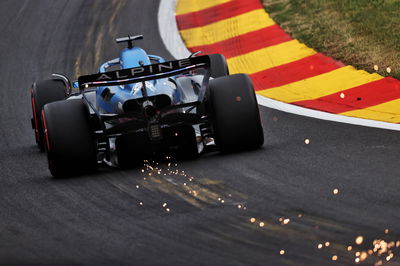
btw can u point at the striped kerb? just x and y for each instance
(282, 68)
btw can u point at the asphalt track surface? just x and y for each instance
(98, 219)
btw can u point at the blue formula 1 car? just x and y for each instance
(139, 105)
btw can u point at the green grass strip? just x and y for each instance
(362, 33)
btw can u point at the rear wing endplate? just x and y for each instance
(144, 73)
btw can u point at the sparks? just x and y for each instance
(363, 256)
(359, 240)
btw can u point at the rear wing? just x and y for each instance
(144, 73)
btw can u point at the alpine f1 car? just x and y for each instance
(144, 106)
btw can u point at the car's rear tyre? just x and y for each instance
(234, 113)
(218, 66)
(44, 92)
(70, 143)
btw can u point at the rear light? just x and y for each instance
(154, 132)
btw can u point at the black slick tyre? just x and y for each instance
(234, 113)
(70, 144)
(218, 65)
(44, 92)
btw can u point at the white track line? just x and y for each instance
(294, 109)
(169, 30)
(173, 42)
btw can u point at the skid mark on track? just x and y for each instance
(167, 189)
(197, 192)
(117, 6)
(102, 27)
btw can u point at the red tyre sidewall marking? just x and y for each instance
(35, 117)
(45, 131)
